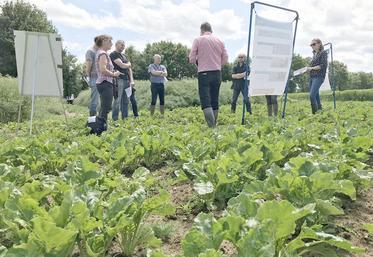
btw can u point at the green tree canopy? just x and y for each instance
(72, 74)
(299, 83)
(18, 15)
(174, 57)
(139, 65)
(341, 77)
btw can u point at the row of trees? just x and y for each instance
(20, 15)
(343, 79)
(175, 58)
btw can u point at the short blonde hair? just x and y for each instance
(120, 42)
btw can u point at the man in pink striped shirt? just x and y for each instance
(209, 54)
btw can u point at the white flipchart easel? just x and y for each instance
(39, 66)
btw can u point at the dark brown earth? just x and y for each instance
(350, 225)
(357, 214)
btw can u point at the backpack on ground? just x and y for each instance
(97, 125)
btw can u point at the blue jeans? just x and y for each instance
(315, 84)
(125, 106)
(95, 97)
(121, 102)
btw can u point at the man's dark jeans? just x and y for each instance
(237, 90)
(208, 89)
(157, 89)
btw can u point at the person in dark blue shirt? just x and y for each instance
(238, 76)
(317, 71)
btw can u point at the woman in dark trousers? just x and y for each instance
(105, 74)
(317, 71)
(272, 105)
(158, 74)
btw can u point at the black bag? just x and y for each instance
(97, 125)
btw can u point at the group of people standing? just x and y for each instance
(317, 70)
(111, 80)
(111, 77)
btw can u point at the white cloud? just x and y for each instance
(180, 22)
(154, 20)
(173, 21)
(72, 45)
(346, 23)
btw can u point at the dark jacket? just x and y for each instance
(321, 59)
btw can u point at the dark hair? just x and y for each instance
(206, 27)
(95, 40)
(99, 40)
(318, 40)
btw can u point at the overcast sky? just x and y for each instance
(346, 23)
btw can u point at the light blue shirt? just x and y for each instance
(156, 67)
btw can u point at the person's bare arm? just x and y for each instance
(318, 67)
(122, 64)
(164, 73)
(102, 62)
(239, 75)
(132, 81)
(88, 67)
(156, 73)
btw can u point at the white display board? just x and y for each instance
(326, 85)
(272, 56)
(39, 63)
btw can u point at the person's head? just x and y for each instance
(205, 27)
(120, 46)
(157, 59)
(241, 58)
(104, 42)
(317, 45)
(95, 42)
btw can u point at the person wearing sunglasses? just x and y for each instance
(238, 76)
(317, 71)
